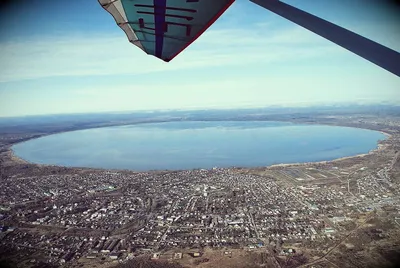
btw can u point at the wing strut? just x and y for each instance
(376, 53)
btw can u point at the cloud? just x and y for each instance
(101, 55)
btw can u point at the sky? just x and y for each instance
(70, 57)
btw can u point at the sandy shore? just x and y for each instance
(14, 158)
(388, 136)
(380, 147)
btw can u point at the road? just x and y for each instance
(323, 258)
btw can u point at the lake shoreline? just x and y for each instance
(381, 146)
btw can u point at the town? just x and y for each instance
(118, 216)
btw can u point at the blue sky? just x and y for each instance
(71, 57)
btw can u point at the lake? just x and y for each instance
(189, 145)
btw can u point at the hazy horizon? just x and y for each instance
(194, 109)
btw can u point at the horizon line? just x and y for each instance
(282, 106)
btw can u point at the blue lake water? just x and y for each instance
(189, 145)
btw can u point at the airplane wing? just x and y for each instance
(374, 52)
(164, 28)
